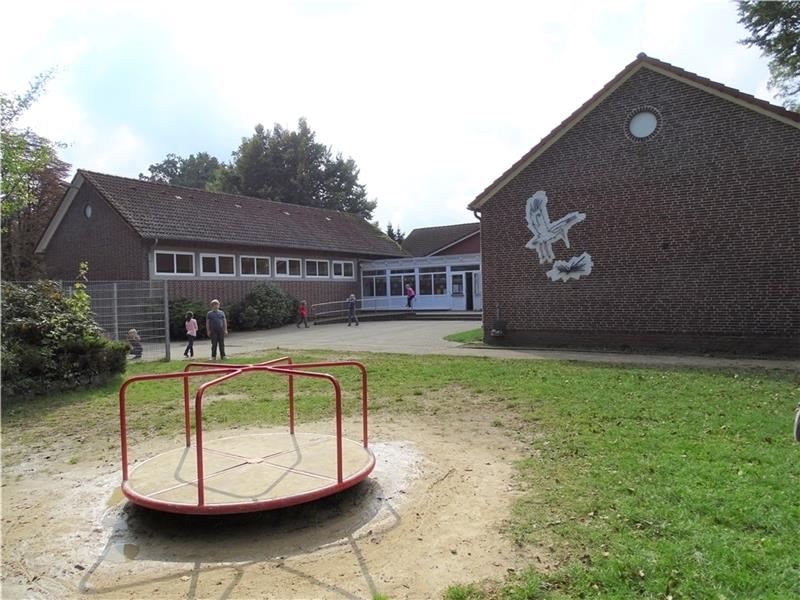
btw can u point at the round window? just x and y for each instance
(87, 211)
(643, 124)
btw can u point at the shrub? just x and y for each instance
(266, 306)
(50, 341)
(177, 317)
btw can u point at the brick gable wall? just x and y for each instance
(112, 249)
(471, 245)
(693, 234)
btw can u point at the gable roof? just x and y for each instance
(425, 241)
(642, 62)
(168, 212)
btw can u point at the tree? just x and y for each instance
(291, 166)
(775, 28)
(32, 184)
(396, 234)
(196, 171)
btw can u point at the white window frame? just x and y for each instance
(216, 258)
(316, 260)
(255, 264)
(342, 263)
(288, 260)
(174, 271)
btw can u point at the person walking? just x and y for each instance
(303, 312)
(410, 295)
(191, 334)
(217, 329)
(351, 310)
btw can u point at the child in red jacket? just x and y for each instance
(303, 310)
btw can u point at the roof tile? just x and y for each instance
(168, 212)
(427, 240)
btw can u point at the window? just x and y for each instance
(254, 266)
(643, 124)
(458, 284)
(174, 263)
(397, 283)
(217, 264)
(432, 281)
(343, 269)
(317, 268)
(373, 283)
(288, 267)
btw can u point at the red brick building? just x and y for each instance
(663, 213)
(207, 245)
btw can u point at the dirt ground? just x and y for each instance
(429, 516)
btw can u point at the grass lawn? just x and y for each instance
(646, 482)
(465, 337)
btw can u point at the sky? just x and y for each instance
(433, 100)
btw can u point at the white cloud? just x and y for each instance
(434, 100)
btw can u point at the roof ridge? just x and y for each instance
(222, 194)
(445, 226)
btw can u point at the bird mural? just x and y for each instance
(547, 232)
(574, 268)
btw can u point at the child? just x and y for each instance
(351, 310)
(191, 333)
(410, 295)
(303, 314)
(135, 342)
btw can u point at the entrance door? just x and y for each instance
(457, 291)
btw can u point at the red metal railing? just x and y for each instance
(226, 372)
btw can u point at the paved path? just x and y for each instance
(427, 337)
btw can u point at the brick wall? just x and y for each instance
(112, 249)
(693, 233)
(471, 245)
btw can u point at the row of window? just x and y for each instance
(432, 281)
(224, 265)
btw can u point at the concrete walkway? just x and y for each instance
(427, 337)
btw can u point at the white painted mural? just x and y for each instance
(574, 268)
(547, 232)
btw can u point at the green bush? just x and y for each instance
(266, 306)
(50, 341)
(177, 317)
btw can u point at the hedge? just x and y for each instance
(50, 341)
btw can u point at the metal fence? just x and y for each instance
(122, 306)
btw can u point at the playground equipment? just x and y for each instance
(252, 472)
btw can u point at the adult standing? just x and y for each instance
(217, 329)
